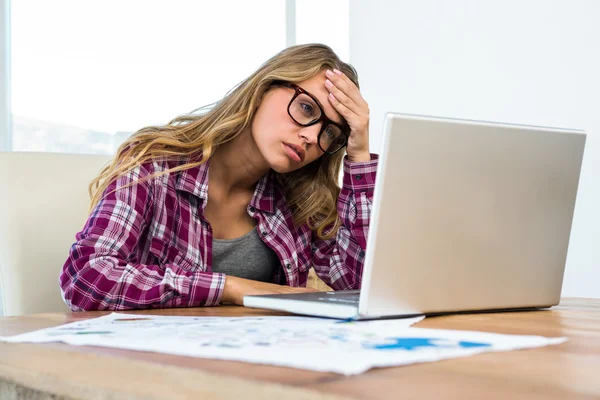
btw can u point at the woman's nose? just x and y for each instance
(310, 133)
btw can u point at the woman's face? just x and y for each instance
(285, 145)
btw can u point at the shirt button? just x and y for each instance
(358, 177)
(264, 233)
(252, 209)
(288, 266)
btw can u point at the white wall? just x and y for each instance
(533, 62)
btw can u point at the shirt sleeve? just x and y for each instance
(339, 261)
(100, 273)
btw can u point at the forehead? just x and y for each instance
(316, 87)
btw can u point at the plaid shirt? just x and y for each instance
(148, 245)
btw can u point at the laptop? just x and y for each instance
(466, 216)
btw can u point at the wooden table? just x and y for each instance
(569, 370)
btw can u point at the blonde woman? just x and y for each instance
(240, 199)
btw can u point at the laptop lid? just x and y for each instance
(469, 215)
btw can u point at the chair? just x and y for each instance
(43, 203)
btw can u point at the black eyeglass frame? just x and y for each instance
(323, 118)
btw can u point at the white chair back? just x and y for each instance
(44, 202)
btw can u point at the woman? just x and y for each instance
(240, 200)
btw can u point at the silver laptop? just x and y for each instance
(466, 216)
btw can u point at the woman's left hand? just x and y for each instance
(347, 100)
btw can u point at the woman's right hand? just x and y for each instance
(236, 288)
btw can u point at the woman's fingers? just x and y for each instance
(339, 97)
(346, 86)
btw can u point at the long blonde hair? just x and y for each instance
(311, 191)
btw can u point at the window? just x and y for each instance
(87, 74)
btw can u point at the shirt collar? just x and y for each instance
(194, 180)
(264, 194)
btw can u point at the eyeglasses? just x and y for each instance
(305, 110)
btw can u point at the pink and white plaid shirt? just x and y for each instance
(149, 246)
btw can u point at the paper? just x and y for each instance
(300, 342)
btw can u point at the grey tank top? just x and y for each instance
(245, 257)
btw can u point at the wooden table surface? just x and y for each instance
(569, 370)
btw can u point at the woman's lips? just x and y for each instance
(294, 152)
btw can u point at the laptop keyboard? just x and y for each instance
(342, 296)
